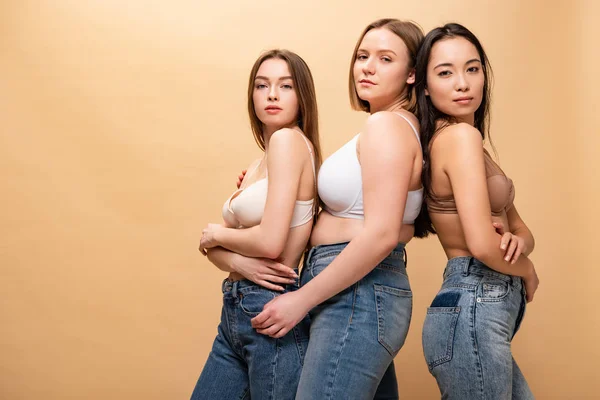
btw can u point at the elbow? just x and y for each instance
(272, 248)
(531, 246)
(385, 240)
(479, 249)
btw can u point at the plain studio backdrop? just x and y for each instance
(124, 126)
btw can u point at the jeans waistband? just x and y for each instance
(245, 285)
(324, 250)
(472, 266)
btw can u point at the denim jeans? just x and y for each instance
(355, 335)
(468, 331)
(245, 364)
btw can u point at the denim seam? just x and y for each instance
(232, 330)
(473, 329)
(455, 312)
(395, 269)
(498, 275)
(402, 293)
(244, 395)
(461, 286)
(342, 346)
(299, 346)
(494, 299)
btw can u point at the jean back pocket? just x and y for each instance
(438, 334)
(394, 311)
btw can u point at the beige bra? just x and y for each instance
(245, 207)
(500, 189)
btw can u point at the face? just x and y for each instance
(275, 99)
(381, 68)
(455, 78)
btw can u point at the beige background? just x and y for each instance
(123, 126)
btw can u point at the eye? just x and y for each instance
(286, 86)
(361, 57)
(261, 86)
(473, 69)
(386, 59)
(444, 73)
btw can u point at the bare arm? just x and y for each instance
(387, 154)
(465, 166)
(221, 258)
(286, 156)
(267, 273)
(519, 228)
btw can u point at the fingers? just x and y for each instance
(511, 249)
(261, 320)
(240, 178)
(269, 285)
(530, 289)
(529, 297)
(274, 331)
(276, 278)
(518, 252)
(499, 226)
(505, 240)
(281, 269)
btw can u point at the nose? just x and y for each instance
(368, 66)
(462, 84)
(273, 93)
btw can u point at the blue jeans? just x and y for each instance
(355, 335)
(245, 364)
(468, 331)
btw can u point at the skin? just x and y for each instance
(250, 252)
(391, 160)
(455, 86)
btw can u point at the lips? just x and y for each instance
(366, 82)
(272, 108)
(463, 99)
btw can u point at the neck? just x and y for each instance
(468, 119)
(398, 104)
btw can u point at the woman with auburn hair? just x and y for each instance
(270, 217)
(488, 278)
(354, 283)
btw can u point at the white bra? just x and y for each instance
(340, 184)
(245, 207)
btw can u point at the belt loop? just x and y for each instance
(234, 288)
(465, 269)
(405, 257)
(308, 255)
(226, 285)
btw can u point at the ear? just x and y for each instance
(426, 92)
(411, 77)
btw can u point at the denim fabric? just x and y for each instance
(245, 364)
(468, 332)
(355, 335)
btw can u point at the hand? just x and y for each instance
(281, 314)
(531, 282)
(241, 178)
(513, 244)
(208, 237)
(263, 272)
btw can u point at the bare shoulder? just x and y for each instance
(459, 136)
(289, 141)
(386, 125)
